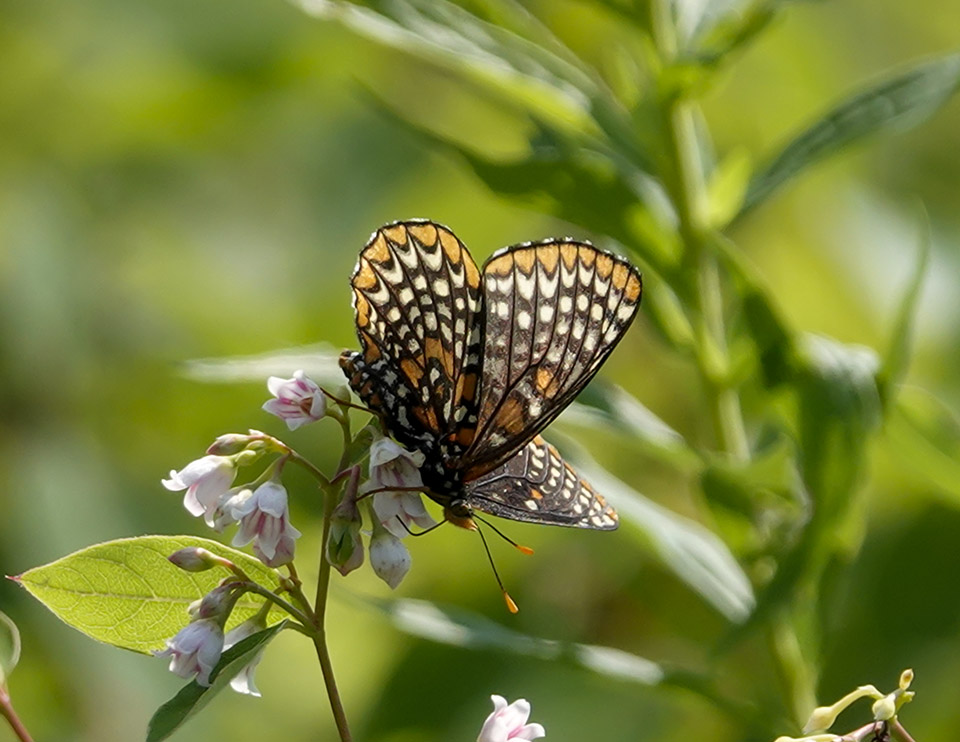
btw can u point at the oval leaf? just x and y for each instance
(127, 594)
(9, 647)
(193, 696)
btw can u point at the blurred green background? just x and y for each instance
(185, 180)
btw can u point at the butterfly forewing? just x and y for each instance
(553, 313)
(417, 296)
(538, 486)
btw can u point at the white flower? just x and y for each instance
(205, 481)
(298, 400)
(389, 557)
(391, 465)
(509, 722)
(227, 511)
(195, 650)
(265, 520)
(243, 681)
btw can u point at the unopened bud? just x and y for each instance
(194, 559)
(218, 603)
(228, 444)
(886, 708)
(389, 557)
(345, 545)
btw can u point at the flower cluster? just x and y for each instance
(260, 508)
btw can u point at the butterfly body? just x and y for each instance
(468, 366)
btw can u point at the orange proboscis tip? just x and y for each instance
(511, 606)
(524, 549)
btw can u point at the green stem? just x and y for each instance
(254, 587)
(794, 673)
(8, 713)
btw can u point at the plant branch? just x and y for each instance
(8, 713)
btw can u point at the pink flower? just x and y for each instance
(242, 682)
(509, 722)
(195, 650)
(265, 520)
(298, 400)
(205, 481)
(391, 465)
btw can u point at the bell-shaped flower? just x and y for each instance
(195, 650)
(242, 682)
(509, 722)
(298, 400)
(205, 481)
(388, 556)
(265, 520)
(391, 465)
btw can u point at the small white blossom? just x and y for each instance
(298, 400)
(509, 722)
(265, 520)
(205, 481)
(391, 465)
(195, 650)
(227, 512)
(389, 557)
(242, 682)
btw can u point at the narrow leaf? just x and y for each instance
(467, 630)
(319, 362)
(127, 594)
(9, 647)
(897, 358)
(193, 696)
(903, 100)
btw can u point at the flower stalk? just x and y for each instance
(10, 714)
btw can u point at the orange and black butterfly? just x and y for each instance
(468, 366)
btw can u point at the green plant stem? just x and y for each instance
(792, 669)
(8, 713)
(302, 617)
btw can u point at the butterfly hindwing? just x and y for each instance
(553, 313)
(538, 486)
(417, 297)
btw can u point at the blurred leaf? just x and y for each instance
(727, 188)
(740, 486)
(606, 406)
(694, 554)
(925, 436)
(903, 100)
(467, 630)
(897, 358)
(9, 647)
(126, 593)
(193, 696)
(442, 33)
(320, 362)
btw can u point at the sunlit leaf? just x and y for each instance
(319, 362)
(897, 358)
(442, 33)
(126, 593)
(902, 100)
(925, 436)
(193, 696)
(9, 647)
(727, 188)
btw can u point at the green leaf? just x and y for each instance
(193, 696)
(693, 553)
(605, 406)
(503, 62)
(902, 100)
(9, 647)
(925, 436)
(727, 188)
(746, 487)
(897, 358)
(467, 630)
(127, 594)
(319, 361)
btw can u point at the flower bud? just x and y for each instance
(194, 559)
(388, 557)
(217, 604)
(229, 443)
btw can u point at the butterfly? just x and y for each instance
(469, 366)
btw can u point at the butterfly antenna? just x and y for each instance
(522, 549)
(419, 533)
(511, 606)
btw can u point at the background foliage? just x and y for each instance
(181, 181)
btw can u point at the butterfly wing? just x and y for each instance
(553, 313)
(538, 486)
(416, 295)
